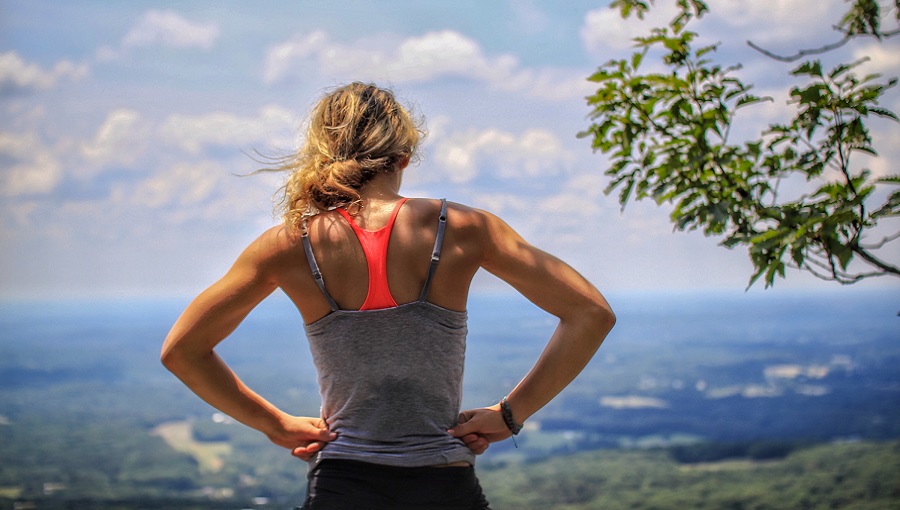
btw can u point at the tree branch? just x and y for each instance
(817, 51)
(842, 278)
(880, 244)
(802, 53)
(871, 259)
(829, 272)
(828, 264)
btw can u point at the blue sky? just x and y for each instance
(125, 125)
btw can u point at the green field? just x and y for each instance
(858, 476)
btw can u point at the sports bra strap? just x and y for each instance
(314, 267)
(436, 252)
(435, 258)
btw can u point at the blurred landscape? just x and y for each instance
(697, 400)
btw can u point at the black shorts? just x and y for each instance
(353, 485)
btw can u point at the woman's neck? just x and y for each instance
(382, 188)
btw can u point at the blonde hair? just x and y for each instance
(353, 134)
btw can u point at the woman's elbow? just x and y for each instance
(168, 358)
(172, 357)
(602, 318)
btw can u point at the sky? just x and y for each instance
(128, 130)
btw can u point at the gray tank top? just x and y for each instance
(391, 379)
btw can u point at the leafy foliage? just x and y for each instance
(668, 138)
(828, 476)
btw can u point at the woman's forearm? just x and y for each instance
(571, 347)
(213, 381)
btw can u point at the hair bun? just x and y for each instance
(358, 120)
(345, 168)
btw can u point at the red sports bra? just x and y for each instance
(375, 246)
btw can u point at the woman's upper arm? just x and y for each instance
(544, 279)
(219, 309)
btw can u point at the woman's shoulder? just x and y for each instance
(460, 215)
(276, 243)
(279, 237)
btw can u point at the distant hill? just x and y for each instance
(834, 476)
(857, 476)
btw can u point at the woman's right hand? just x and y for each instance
(303, 436)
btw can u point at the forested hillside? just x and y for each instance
(857, 476)
(833, 476)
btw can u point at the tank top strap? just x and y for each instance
(436, 252)
(314, 267)
(387, 228)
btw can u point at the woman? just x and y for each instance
(381, 282)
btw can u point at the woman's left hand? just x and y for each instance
(478, 428)
(304, 436)
(478, 444)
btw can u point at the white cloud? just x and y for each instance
(204, 191)
(784, 22)
(168, 28)
(163, 28)
(120, 140)
(883, 58)
(184, 184)
(501, 203)
(755, 20)
(281, 58)
(548, 83)
(604, 31)
(528, 17)
(17, 74)
(424, 58)
(438, 54)
(125, 135)
(193, 133)
(579, 198)
(416, 59)
(33, 169)
(17, 214)
(886, 141)
(557, 217)
(534, 152)
(561, 217)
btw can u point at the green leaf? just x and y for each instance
(636, 59)
(862, 18)
(844, 255)
(891, 207)
(811, 68)
(749, 99)
(707, 49)
(626, 7)
(766, 238)
(756, 275)
(625, 193)
(883, 112)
